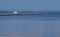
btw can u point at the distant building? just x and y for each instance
(15, 12)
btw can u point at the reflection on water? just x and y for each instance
(29, 26)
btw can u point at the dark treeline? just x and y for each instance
(34, 12)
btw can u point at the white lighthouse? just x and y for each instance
(15, 12)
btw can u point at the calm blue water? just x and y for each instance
(30, 26)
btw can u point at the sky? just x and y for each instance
(30, 5)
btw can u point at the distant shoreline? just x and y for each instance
(17, 14)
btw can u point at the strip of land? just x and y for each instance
(17, 14)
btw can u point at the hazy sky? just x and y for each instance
(37, 5)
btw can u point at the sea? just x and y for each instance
(30, 26)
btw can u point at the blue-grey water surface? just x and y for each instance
(30, 26)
